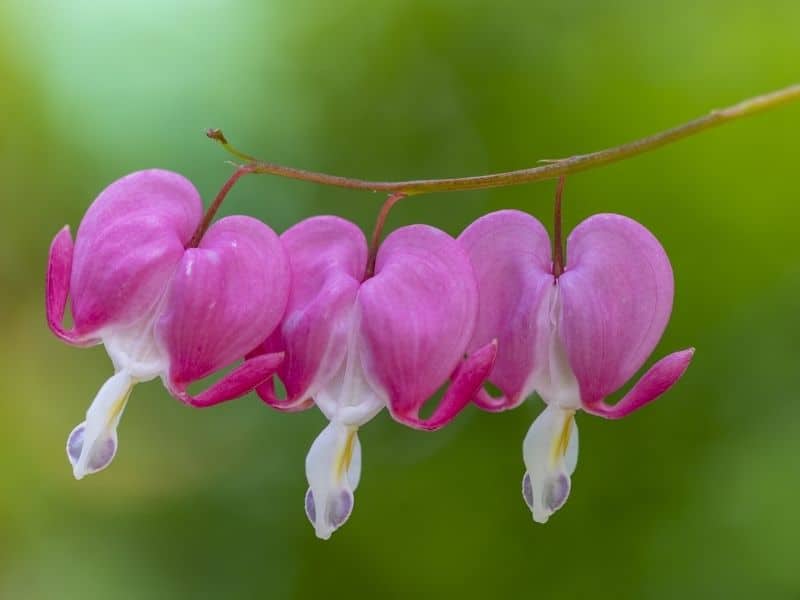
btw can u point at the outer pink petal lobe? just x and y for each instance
(327, 256)
(417, 317)
(226, 296)
(128, 245)
(616, 295)
(510, 252)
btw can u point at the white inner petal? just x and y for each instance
(137, 357)
(347, 397)
(553, 379)
(134, 348)
(550, 452)
(333, 470)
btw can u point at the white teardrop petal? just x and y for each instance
(550, 452)
(333, 470)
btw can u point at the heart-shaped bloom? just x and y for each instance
(354, 346)
(160, 308)
(573, 339)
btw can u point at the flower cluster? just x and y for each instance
(351, 339)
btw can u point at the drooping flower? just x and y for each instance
(573, 339)
(354, 346)
(158, 307)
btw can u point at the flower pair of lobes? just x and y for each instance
(354, 345)
(574, 338)
(160, 308)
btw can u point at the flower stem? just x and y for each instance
(377, 232)
(558, 245)
(551, 170)
(212, 210)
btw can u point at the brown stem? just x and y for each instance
(551, 170)
(212, 210)
(558, 245)
(377, 232)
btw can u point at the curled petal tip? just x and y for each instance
(658, 379)
(485, 401)
(242, 380)
(266, 392)
(466, 384)
(59, 270)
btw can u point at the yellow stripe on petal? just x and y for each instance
(561, 442)
(346, 456)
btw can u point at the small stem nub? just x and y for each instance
(377, 232)
(219, 137)
(558, 246)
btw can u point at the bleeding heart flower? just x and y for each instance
(355, 345)
(160, 308)
(572, 339)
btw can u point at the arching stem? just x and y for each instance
(551, 170)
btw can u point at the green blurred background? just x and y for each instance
(694, 497)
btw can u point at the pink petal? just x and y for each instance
(616, 295)
(417, 316)
(328, 256)
(467, 380)
(655, 382)
(226, 296)
(127, 246)
(235, 384)
(510, 252)
(59, 267)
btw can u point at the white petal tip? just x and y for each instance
(541, 519)
(336, 510)
(544, 505)
(87, 459)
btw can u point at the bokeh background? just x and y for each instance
(694, 497)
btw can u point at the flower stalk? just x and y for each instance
(552, 169)
(377, 232)
(558, 244)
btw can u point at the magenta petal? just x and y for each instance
(266, 390)
(655, 382)
(328, 256)
(467, 380)
(417, 316)
(510, 252)
(59, 267)
(127, 247)
(225, 297)
(616, 297)
(242, 380)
